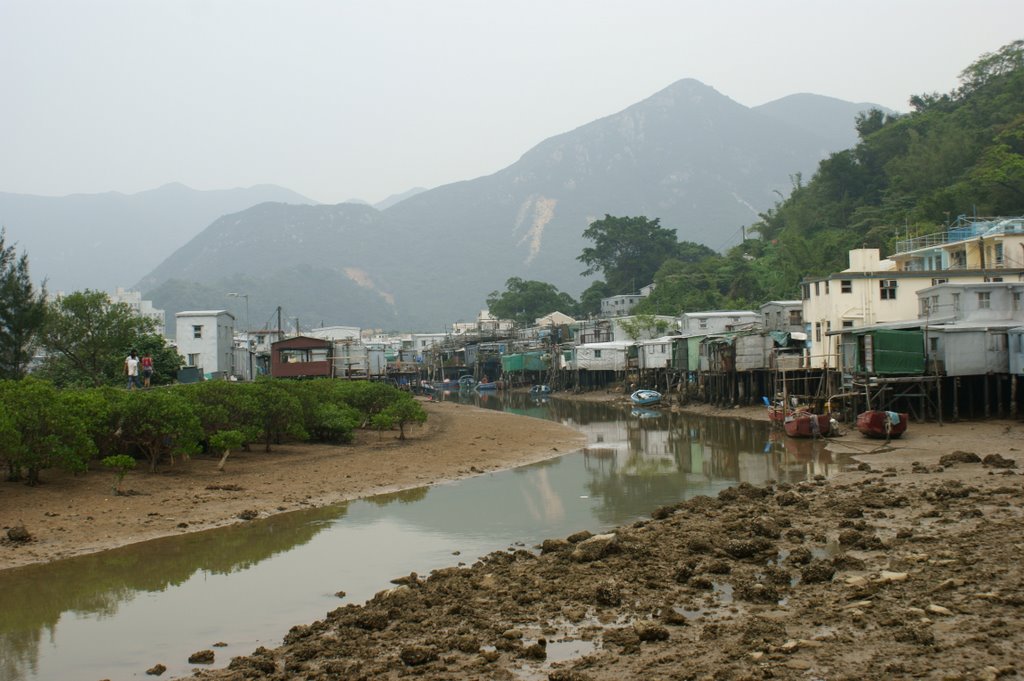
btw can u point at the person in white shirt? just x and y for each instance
(131, 369)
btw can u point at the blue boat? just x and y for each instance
(540, 389)
(486, 386)
(645, 398)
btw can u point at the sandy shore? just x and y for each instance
(70, 515)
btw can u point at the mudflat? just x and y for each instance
(908, 565)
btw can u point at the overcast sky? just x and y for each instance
(340, 100)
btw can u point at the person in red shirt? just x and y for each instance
(147, 369)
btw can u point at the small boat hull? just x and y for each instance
(645, 398)
(807, 425)
(882, 424)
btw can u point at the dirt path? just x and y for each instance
(71, 515)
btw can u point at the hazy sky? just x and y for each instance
(338, 99)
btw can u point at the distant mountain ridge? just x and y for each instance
(102, 241)
(701, 162)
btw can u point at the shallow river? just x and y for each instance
(114, 614)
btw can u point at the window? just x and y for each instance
(197, 331)
(888, 289)
(925, 308)
(933, 344)
(984, 300)
(806, 290)
(997, 342)
(193, 359)
(817, 331)
(828, 327)
(663, 348)
(702, 323)
(817, 288)
(796, 317)
(936, 282)
(935, 303)
(826, 287)
(1016, 300)
(847, 323)
(597, 354)
(956, 303)
(846, 286)
(993, 279)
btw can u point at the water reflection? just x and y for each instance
(116, 613)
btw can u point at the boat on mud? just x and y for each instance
(645, 398)
(806, 424)
(882, 424)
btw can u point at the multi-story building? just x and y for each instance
(205, 338)
(876, 291)
(717, 321)
(143, 308)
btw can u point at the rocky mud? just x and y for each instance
(879, 574)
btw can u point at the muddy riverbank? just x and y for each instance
(70, 515)
(907, 566)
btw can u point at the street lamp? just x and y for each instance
(246, 296)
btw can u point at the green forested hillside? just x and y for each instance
(956, 153)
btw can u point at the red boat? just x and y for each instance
(882, 424)
(806, 424)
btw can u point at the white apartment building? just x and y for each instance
(143, 308)
(716, 321)
(205, 338)
(876, 291)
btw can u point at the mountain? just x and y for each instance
(395, 198)
(825, 117)
(102, 241)
(701, 162)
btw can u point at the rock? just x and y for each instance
(248, 514)
(594, 548)
(756, 593)
(555, 545)
(490, 655)
(741, 549)
(19, 534)
(156, 670)
(414, 656)
(959, 457)
(790, 498)
(856, 581)
(939, 610)
(568, 675)
(536, 651)
(512, 634)
(997, 461)
(650, 631)
(801, 555)
(577, 537)
(608, 594)
(790, 646)
(886, 577)
(201, 657)
(765, 526)
(817, 571)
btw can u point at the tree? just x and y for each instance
(46, 431)
(643, 325)
(526, 300)
(22, 311)
(402, 411)
(590, 299)
(225, 441)
(627, 251)
(120, 464)
(159, 423)
(166, 360)
(89, 337)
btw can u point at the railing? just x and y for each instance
(926, 241)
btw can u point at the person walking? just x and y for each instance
(131, 369)
(147, 369)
